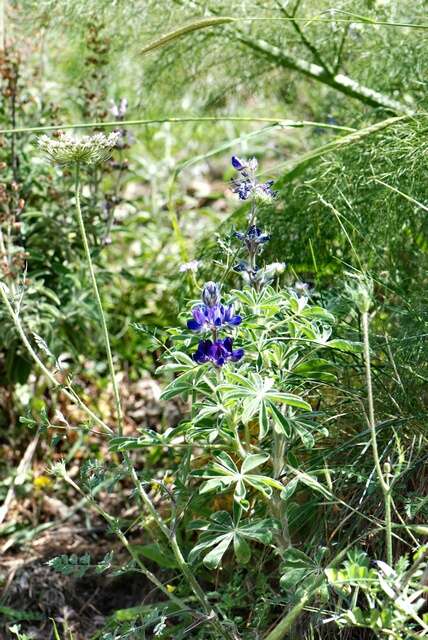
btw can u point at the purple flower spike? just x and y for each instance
(246, 184)
(208, 318)
(218, 352)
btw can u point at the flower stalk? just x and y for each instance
(118, 404)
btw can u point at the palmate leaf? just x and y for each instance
(258, 395)
(184, 384)
(148, 438)
(220, 532)
(296, 568)
(292, 425)
(223, 473)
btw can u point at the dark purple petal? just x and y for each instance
(218, 352)
(202, 353)
(199, 356)
(237, 163)
(227, 343)
(193, 325)
(253, 232)
(235, 320)
(237, 355)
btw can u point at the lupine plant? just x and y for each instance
(251, 361)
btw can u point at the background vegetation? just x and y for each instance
(332, 100)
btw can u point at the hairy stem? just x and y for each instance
(116, 394)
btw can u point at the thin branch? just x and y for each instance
(340, 82)
(307, 43)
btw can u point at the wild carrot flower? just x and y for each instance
(217, 352)
(68, 149)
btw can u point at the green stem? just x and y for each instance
(49, 375)
(342, 83)
(98, 301)
(277, 505)
(384, 484)
(240, 449)
(178, 120)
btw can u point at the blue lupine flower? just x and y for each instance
(212, 318)
(218, 352)
(264, 190)
(211, 294)
(253, 236)
(244, 188)
(247, 185)
(244, 165)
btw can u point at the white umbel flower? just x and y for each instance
(68, 149)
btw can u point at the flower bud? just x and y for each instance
(211, 294)
(360, 290)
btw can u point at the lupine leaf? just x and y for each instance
(242, 549)
(254, 460)
(280, 421)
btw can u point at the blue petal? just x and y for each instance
(235, 320)
(237, 354)
(227, 344)
(237, 164)
(193, 325)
